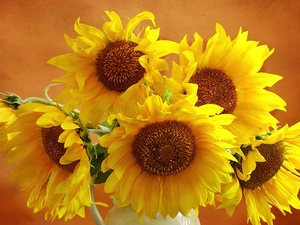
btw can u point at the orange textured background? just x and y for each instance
(32, 32)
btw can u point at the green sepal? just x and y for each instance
(167, 95)
(111, 126)
(12, 99)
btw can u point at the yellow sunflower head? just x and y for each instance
(7, 116)
(275, 179)
(165, 151)
(108, 66)
(52, 165)
(227, 73)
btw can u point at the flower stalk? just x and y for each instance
(93, 208)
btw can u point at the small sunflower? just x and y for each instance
(165, 151)
(7, 116)
(273, 182)
(108, 66)
(53, 167)
(227, 74)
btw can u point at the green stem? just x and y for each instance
(93, 209)
(100, 131)
(40, 100)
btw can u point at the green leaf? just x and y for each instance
(100, 149)
(96, 164)
(91, 148)
(102, 177)
(86, 137)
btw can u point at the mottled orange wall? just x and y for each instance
(32, 32)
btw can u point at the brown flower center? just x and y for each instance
(215, 87)
(164, 148)
(54, 149)
(264, 171)
(118, 66)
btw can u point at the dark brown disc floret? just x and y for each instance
(118, 66)
(54, 149)
(264, 171)
(215, 87)
(164, 148)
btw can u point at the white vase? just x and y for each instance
(127, 216)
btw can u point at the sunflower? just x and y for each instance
(273, 182)
(7, 116)
(166, 150)
(108, 67)
(228, 74)
(52, 165)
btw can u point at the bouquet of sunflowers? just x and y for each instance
(170, 137)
